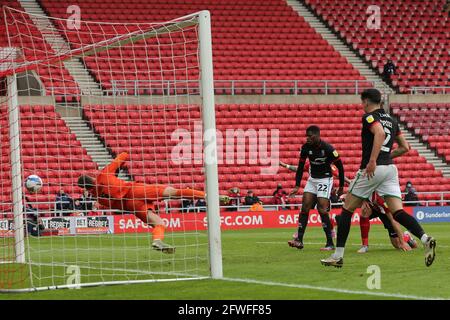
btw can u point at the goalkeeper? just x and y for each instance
(133, 197)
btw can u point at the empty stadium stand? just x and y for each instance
(252, 40)
(26, 36)
(414, 34)
(430, 121)
(48, 150)
(151, 145)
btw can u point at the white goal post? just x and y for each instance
(105, 89)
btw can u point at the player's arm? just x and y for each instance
(335, 172)
(403, 146)
(299, 173)
(294, 168)
(335, 159)
(340, 167)
(398, 241)
(288, 166)
(378, 138)
(103, 203)
(115, 164)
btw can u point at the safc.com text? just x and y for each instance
(239, 220)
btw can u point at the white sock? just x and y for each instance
(339, 253)
(424, 238)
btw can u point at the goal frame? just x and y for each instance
(209, 143)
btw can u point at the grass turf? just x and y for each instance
(258, 264)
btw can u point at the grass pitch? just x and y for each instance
(257, 264)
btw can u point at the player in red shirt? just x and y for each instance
(377, 208)
(133, 197)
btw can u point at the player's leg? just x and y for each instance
(390, 191)
(410, 223)
(324, 188)
(146, 213)
(364, 225)
(323, 205)
(332, 224)
(392, 227)
(170, 192)
(313, 205)
(152, 192)
(308, 201)
(360, 190)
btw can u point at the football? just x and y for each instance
(33, 183)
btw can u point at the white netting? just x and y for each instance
(99, 90)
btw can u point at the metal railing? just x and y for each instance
(442, 201)
(238, 207)
(426, 90)
(234, 87)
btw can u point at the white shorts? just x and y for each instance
(385, 182)
(320, 187)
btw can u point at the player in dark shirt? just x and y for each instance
(378, 173)
(376, 208)
(321, 156)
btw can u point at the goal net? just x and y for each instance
(75, 95)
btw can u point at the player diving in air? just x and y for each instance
(133, 197)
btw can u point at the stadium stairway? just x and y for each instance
(89, 140)
(340, 46)
(91, 143)
(424, 151)
(75, 67)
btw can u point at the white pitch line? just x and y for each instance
(352, 244)
(361, 292)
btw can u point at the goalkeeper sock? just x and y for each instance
(326, 225)
(409, 222)
(158, 232)
(190, 193)
(302, 223)
(364, 225)
(345, 221)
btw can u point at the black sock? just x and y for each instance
(326, 225)
(409, 222)
(387, 225)
(302, 223)
(336, 218)
(375, 214)
(345, 221)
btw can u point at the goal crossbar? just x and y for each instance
(104, 45)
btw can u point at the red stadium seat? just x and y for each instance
(260, 116)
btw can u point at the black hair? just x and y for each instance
(373, 95)
(86, 182)
(313, 129)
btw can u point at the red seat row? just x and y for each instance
(273, 32)
(153, 155)
(411, 34)
(430, 121)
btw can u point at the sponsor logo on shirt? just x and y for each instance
(370, 119)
